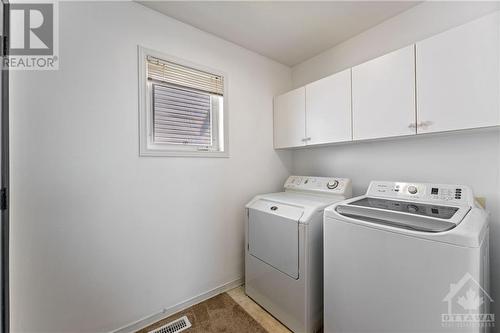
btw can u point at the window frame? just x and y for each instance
(147, 146)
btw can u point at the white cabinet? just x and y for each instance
(450, 81)
(290, 118)
(328, 109)
(458, 77)
(383, 96)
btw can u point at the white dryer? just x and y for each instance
(407, 257)
(284, 249)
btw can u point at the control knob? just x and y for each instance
(332, 184)
(412, 189)
(412, 209)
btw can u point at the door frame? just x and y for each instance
(4, 177)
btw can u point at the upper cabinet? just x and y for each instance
(458, 77)
(289, 119)
(383, 96)
(328, 109)
(450, 81)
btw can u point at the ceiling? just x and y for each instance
(288, 32)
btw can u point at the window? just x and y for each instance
(182, 108)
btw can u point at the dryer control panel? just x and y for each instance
(325, 185)
(428, 192)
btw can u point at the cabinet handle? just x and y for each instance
(306, 139)
(412, 126)
(424, 124)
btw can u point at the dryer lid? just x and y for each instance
(307, 204)
(276, 208)
(409, 215)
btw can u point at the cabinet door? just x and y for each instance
(289, 119)
(458, 77)
(383, 96)
(328, 109)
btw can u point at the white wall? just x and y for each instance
(470, 158)
(100, 236)
(417, 23)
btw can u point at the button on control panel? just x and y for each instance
(447, 193)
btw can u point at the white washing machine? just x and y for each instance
(284, 249)
(407, 257)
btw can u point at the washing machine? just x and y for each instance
(407, 257)
(284, 249)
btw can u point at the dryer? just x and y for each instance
(284, 249)
(407, 257)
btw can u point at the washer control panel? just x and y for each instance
(458, 194)
(327, 185)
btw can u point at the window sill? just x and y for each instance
(167, 153)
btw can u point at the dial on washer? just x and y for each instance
(412, 189)
(332, 184)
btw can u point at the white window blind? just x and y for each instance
(169, 72)
(181, 116)
(184, 102)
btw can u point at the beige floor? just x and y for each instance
(267, 321)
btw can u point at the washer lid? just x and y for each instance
(408, 215)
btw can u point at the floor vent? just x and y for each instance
(175, 326)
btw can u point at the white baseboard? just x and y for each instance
(146, 321)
